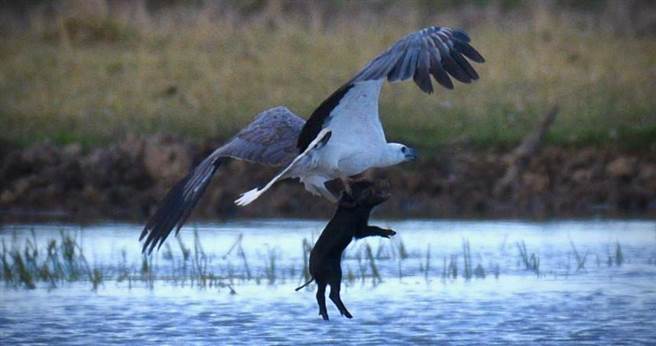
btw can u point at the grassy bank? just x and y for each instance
(204, 74)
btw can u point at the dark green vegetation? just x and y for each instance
(61, 260)
(91, 75)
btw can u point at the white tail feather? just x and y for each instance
(247, 198)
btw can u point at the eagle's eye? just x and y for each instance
(403, 150)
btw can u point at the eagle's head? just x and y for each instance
(397, 153)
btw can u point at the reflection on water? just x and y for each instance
(580, 294)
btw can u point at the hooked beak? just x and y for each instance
(410, 154)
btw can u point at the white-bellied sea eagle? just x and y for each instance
(342, 138)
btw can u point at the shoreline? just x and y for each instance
(126, 180)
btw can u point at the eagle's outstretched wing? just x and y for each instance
(269, 140)
(433, 51)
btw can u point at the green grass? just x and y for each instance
(94, 81)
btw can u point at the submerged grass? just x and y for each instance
(619, 255)
(466, 255)
(26, 264)
(531, 262)
(205, 73)
(580, 259)
(64, 260)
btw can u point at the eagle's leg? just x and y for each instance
(327, 194)
(316, 185)
(348, 180)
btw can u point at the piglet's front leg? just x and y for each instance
(370, 231)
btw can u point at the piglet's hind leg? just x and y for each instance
(321, 300)
(334, 296)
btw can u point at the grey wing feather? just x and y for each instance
(269, 140)
(430, 51)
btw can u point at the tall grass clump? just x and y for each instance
(242, 255)
(7, 272)
(466, 256)
(450, 268)
(375, 274)
(425, 267)
(270, 266)
(617, 256)
(580, 259)
(307, 248)
(531, 262)
(62, 261)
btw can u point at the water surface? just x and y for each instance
(417, 301)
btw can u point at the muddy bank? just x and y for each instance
(128, 179)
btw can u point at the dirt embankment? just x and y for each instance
(127, 180)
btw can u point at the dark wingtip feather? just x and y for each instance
(454, 69)
(422, 79)
(160, 224)
(468, 51)
(176, 207)
(441, 76)
(447, 62)
(422, 75)
(461, 35)
(465, 65)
